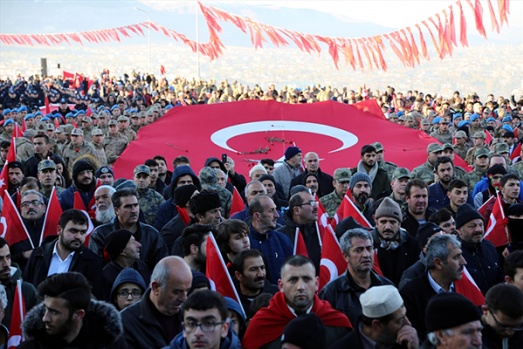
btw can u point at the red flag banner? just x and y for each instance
(483, 209)
(497, 231)
(299, 244)
(52, 217)
(16, 230)
(17, 317)
(332, 263)
(237, 204)
(348, 209)
(217, 272)
(468, 288)
(243, 131)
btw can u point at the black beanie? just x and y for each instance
(81, 165)
(306, 332)
(465, 214)
(203, 202)
(182, 194)
(449, 310)
(497, 169)
(116, 241)
(267, 176)
(425, 232)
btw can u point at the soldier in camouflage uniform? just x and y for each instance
(124, 129)
(503, 149)
(136, 121)
(97, 138)
(389, 167)
(103, 119)
(9, 126)
(47, 178)
(442, 134)
(461, 147)
(148, 199)
(400, 178)
(87, 127)
(114, 143)
(425, 172)
(209, 181)
(24, 145)
(479, 142)
(76, 148)
(480, 168)
(448, 150)
(341, 181)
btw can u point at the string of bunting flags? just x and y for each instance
(364, 53)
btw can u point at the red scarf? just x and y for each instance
(268, 323)
(183, 215)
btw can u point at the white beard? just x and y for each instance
(106, 215)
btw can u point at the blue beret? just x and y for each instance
(508, 128)
(463, 123)
(507, 119)
(436, 120)
(6, 111)
(29, 116)
(38, 113)
(491, 119)
(114, 107)
(80, 112)
(45, 118)
(70, 115)
(474, 117)
(9, 122)
(22, 108)
(400, 113)
(457, 115)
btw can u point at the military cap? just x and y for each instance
(77, 132)
(96, 132)
(378, 146)
(447, 146)
(401, 172)
(479, 134)
(460, 134)
(45, 164)
(434, 148)
(501, 148)
(142, 169)
(342, 174)
(123, 118)
(113, 122)
(481, 152)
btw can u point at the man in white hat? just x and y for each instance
(383, 322)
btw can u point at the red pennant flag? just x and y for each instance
(162, 69)
(493, 19)
(52, 217)
(17, 317)
(347, 208)
(496, 231)
(237, 204)
(468, 288)
(299, 244)
(516, 152)
(462, 26)
(16, 230)
(47, 106)
(483, 209)
(332, 263)
(217, 272)
(488, 137)
(79, 205)
(17, 131)
(376, 267)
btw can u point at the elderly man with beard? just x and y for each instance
(32, 209)
(379, 178)
(83, 182)
(67, 253)
(104, 211)
(47, 178)
(124, 252)
(481, 255)
(444, 261)
(396, 249)
(302, 217)
(127, 211)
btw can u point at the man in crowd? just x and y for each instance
(514, 269)
(127, 210)
(47, 178)
(148, 199)
(97, 138)
(69, 318)
(383, 322)
(444, 174)
(76, 148)
(15, 171)
(251, 276)
(114, 143)
(441, 133)
(194, 245)
(397, 250)
(155, 183)
(67, 253)
(104, 210)
(479, 143)
(83, 182)
(275, 246)
(106, 175)
(312, 167)
(379, 179)
(42, 151)
(453, 322)
(389, 167)
(360, 187)
(341, 181)
(425, 172)
(444, 261)
(298, 286)
(400, 178)
(480, 168)
(344, 292)
(417, 211)
(503, 317)
(154, 321)
(290, 168)
(458, 194)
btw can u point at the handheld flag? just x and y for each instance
(17, 317)
(332, 262)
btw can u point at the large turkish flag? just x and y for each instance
(248, 131)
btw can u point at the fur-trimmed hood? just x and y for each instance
(102, 321)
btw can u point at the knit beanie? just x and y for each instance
(183, 194)
(465, 214)
(291, 152)
(203, 202)
(448, 310)
(389, 208)
(425, 232)
(258, 167)
(359, 177)
(81, 165)
(497, 169)
(267, 176)
(306, 332)
(116, 241)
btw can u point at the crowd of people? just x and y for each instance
(138, 280)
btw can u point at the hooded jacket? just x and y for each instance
(102, 329)
(237, 179)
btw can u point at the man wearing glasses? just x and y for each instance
(205, 324)
(302, 216)
(503, 317)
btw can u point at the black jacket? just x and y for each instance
(353, 340)
(34, 228)
(324, 182)
(483, 264)
(153, 247)
(411, 224)
(344, 294)
(28, 293)
(101, 329)
(416, 295)
(85, 261)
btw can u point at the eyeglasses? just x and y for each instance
(206, 326)
(505, 327)
(133, 293)
(311, 203)
(32, 202)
